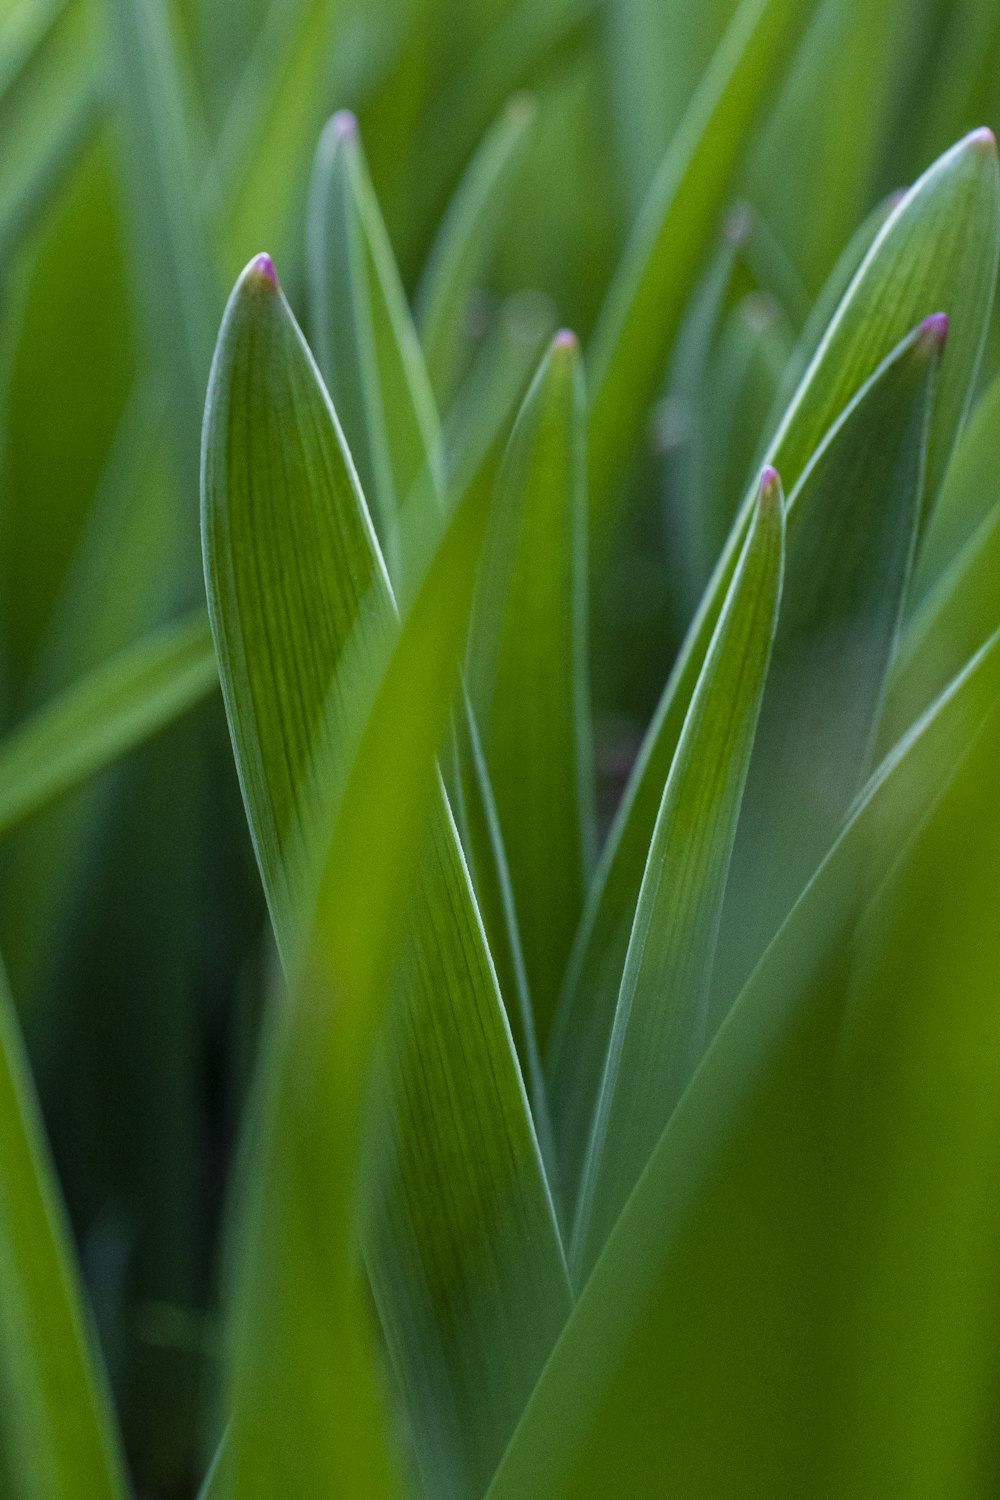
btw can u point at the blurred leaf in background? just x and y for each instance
(283, 1191)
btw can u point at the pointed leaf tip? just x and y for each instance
(566, 340)
(344, 125)
(770, 486)
(261, 268)
(983, 138)
(934, 330)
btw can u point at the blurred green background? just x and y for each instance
(149, 148)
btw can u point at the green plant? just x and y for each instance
(579, 1139)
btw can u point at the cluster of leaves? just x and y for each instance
(597, 1129)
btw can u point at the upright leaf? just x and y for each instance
(463, 240)
(595, 1413)
(651, 287)
(937, 250)
(462, 1245)
(662, 1025)
(57, 1436)
(301, 1348)
(366, 344)
(851, 541)
(528, 669)
(174, 264)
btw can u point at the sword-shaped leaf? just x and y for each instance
(463, 241)
(528, 670)
(595, 1413)
(366, 344)
(650, 291)
(661, 1022)
(937, 250)
(57, 1435)
(462, 1246)
(851, 542)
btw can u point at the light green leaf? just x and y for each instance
(462, 1246)
(651, 287)
(937, 251)
(967, 495)
(851, 540)
(173, 261)
(463, 240)
(260, 169)
(661, 1023)
(523, 42)
(110, 711)
(830, 297)
(482, 843)
(481, 416)
(366, 344)
(57, 1435)
(301, 1350)
(953, 620)
(595, 1413)
(528, 670)
(49, 106)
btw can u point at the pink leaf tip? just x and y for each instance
(769, 479)
(566, 339)
(983, 138)
(344, 125)
(935, 328)
(261, 268)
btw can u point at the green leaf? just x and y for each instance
(480, 418)
(173, 258)
(661, 1021)
(967, 495)
(283, 519)
(301, 1349)
(937, 250)
(49, 105)
(462, 1246)
(482, 843)
(366, 344)
(651, 287)
(107, 713)
(851, 541)
(260, 169)
(463, 241)
(528, 670)
(958, 614)
(595, 1413)
(57, 1435)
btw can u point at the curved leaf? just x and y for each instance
(937, 250)
(661, 1023)
(647, 297)
(462, 1246)
(595, 1414)
(463, 240)
(528, 670)
(57, 1434)
(366, 345)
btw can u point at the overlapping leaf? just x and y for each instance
(937, 251)
(366, 344)
(596, 1413)
(462, 1246)
(646, 301)
(661, 1022)
(528, 670)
